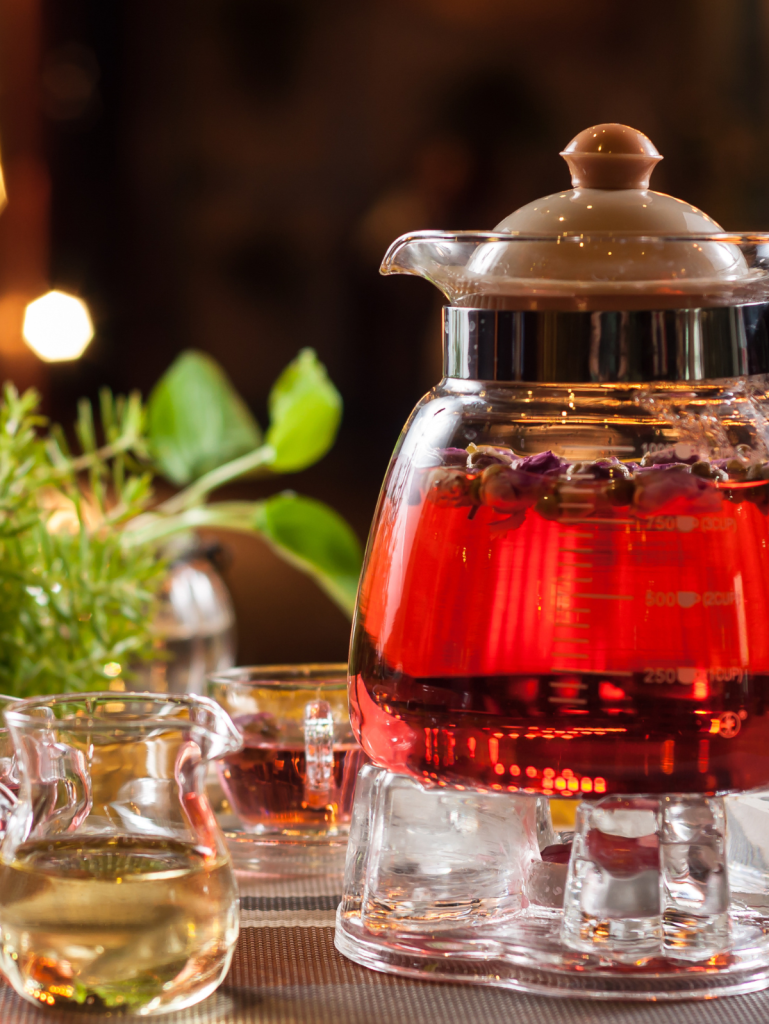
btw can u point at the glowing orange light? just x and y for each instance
(471, 745)
(514, 769)
(499, 768)
(700, 690)
(599, 784)
(531, 772)
(549, 773)
(567, 773)
(573, 784)
(493, 749)
(57, 327)
(547, 783)
(586, 785)
(715, 726)
(560, 783)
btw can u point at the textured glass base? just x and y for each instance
(528, 955)
(478, 887)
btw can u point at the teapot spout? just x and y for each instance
(439, 257)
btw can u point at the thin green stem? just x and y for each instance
(151, 528)
(197, 491)
(109, 451)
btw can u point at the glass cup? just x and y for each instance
(294, 778)
(117, 891)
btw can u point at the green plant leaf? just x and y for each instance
(305, 411)
(315, 539)
(196, 419)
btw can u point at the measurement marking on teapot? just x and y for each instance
(572, 543)
(688, 676)
(607, 673)
(613, 522)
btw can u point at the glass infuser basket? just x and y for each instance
(565, 597)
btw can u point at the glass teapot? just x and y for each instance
(567, 578)
(116, 888)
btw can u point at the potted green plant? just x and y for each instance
(83, 537)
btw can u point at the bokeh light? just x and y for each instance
(57, 327)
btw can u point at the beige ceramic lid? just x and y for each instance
(610, 166)
(621, 241)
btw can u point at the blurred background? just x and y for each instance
(226, 175)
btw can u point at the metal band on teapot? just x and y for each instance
(606, 347)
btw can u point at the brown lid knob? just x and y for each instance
(611, 156)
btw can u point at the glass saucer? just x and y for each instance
(280, 857)
(276, 856)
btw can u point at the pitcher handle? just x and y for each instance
(8, 804)
(189, 772)
(60, 786)
(318, 753)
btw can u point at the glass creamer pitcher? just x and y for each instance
(567, 580)
(116, 888)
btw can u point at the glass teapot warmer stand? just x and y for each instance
(647, 899)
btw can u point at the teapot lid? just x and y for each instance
(608, 243)
(610, 168)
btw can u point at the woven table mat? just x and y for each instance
(287, 971)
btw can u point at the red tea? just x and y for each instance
(579, 642)
(265, 784)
